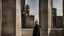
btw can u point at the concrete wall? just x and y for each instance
(9, 20)
(43, 16)
(49, 15)
(0, 16)
(18, 18)
(8, 17)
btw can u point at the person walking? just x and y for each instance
(36, 30)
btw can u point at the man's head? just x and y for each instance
(36, 22)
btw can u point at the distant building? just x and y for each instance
(22, 10)
(59, 21)
(22, 5)
(54, 10)
(28, 20)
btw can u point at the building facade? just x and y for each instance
(54, 11)
(28, 20)
(59, 21)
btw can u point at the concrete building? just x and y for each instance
(29, 21)
(59, 21)
(22, 14)
(54, 11)
(54, 14)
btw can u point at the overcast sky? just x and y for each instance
(34, 7)
(58, 4)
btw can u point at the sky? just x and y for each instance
(58, 5)
(34, 7)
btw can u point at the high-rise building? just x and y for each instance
(8, 18)
(54, 16)
(22, 5)
(54, 11)
(22, 10)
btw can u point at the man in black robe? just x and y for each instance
(36, 30)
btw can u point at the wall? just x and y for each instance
(49, 16)
(0, 17)
(8, 17)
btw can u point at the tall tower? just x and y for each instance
(54, 11)
(22, 13)
(54, 16)
(27, 9)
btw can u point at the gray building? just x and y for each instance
(59, 21)
(22, 10)
(29, 21)
(54, 11)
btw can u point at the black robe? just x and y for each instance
(36, 30)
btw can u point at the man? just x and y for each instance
(36, 30)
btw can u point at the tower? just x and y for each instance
(54, 17)
(27, 9)
(54, 11)
(22, 13)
